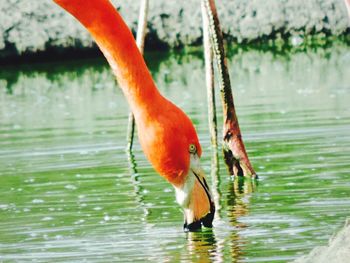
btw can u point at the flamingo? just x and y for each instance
(166, 134)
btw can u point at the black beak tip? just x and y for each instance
(206, 221)
(193, 227)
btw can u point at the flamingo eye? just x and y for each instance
(192, 148)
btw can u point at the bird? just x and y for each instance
(167, 136)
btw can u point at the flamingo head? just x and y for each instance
(194, 195)
(171, 144)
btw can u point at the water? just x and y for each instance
(68, 192)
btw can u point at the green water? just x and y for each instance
(68, 193)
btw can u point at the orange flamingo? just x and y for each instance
(167, 136)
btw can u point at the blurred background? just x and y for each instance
(39, 26)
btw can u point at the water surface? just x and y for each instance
(68, 192)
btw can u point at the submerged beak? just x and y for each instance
(195, 198)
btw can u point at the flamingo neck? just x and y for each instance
(117, 44)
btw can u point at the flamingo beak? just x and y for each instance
(194, 223)
(195, 198)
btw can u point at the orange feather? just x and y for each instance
(165, 132)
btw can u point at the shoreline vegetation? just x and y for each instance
(39, 31)
(278, 46)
